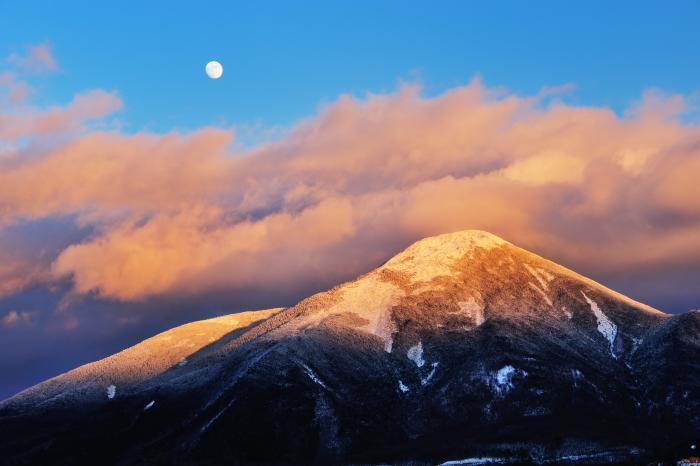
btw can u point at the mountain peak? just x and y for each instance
(433, 256)
(461, 335)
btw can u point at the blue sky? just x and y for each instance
(284, 59)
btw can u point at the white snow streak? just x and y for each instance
(149, 405)
(403, 387)
(111, 391)
(567, 312)
(217, 416)
(415, 354)
(605, 326)
(312, 375)
(542, 293)
(577, 377)
(426, 379)
(546, 274)
(539, 276)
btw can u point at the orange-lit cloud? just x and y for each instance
(341, 191)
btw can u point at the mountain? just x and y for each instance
(463, 347)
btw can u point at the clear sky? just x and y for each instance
(137, 194)
(282, 59)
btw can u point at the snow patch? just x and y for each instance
(149, 405)
(605, 326)
(472, 309)
(182, 362)
(389, 344)
(372, 299)
(501, 381)
(111, 391)
(415, 354)
(542, 293)
(479, 460)
(567, 312)
(636, 343)
(577, 375)
(403, 387)
(605, 457)
(426, 379)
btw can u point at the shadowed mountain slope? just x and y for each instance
(461, 346)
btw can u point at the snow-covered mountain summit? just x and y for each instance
(463, 345)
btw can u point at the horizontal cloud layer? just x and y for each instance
(343, 190)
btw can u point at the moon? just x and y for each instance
(214, 69)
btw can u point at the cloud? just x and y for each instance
(31, 122)
(37, 59)
(18, 273)
(195, 249)
(186, 214)
(13, 90)
(16, 319)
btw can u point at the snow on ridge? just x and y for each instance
(606, 327)
(149, 405)
(433, 257)
(111, 391)
(415, 354)
(403, 387)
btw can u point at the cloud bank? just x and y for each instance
(175, 213)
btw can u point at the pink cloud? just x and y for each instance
(344, 189)
(13, 90)
(37, 59)
(32, 122)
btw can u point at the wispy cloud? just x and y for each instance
(17, 318)
(36, 59)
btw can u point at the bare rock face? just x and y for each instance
(463, 346)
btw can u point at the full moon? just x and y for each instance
(214, 69)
